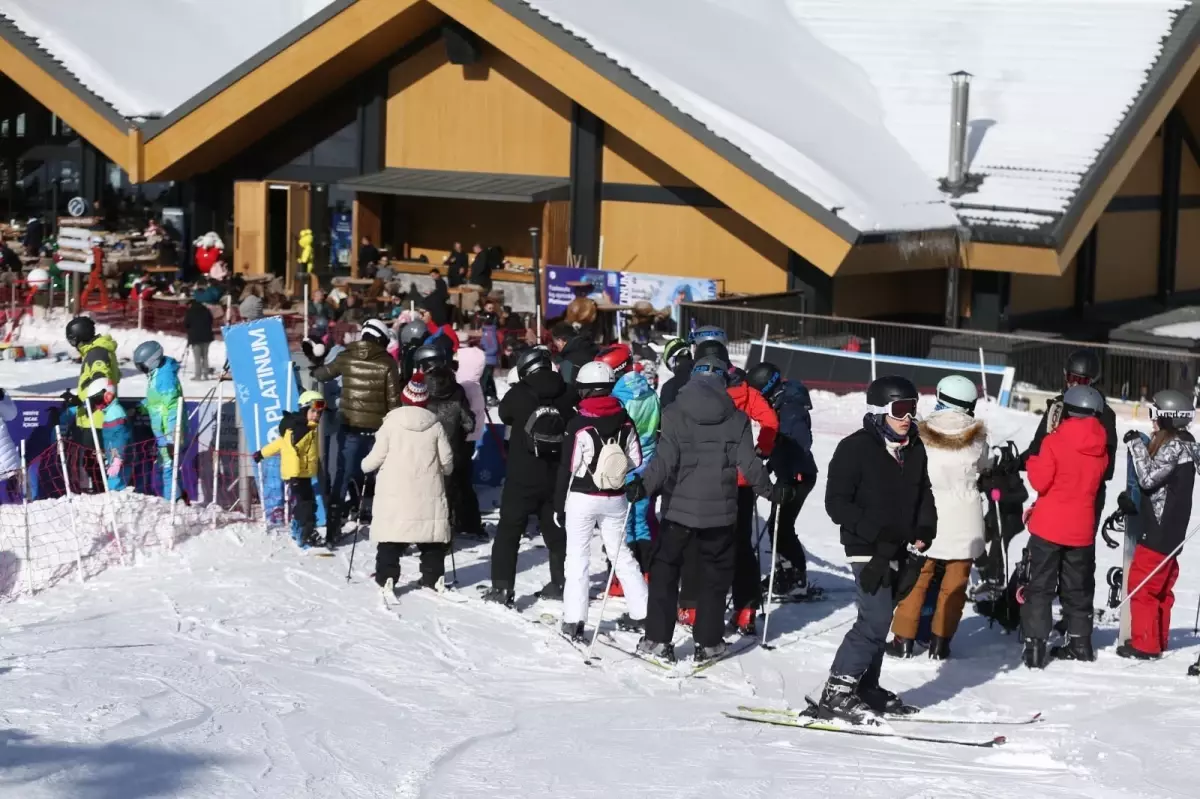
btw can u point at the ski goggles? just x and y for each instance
(898, 409)
(316, 405)
(1077, 380)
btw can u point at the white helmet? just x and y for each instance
(959, 392)
(595, 374)
(375, 330)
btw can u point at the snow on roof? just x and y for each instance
(147, 57)
(848, 101)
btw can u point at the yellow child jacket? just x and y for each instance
(297, 447)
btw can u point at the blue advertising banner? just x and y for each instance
(342, 240)
(606, 287)
(664, 291)
(260, 364)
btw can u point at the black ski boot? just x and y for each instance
(663, 653)
(1075, 647)
(573, 630)
(939, 647)
(706, 653)
(630, 625)
(884, 702)
(840, 702)
(1194, 669)
(1034, 653)
(500, 595)
(1127, 650)
(551, 590)
(899, 647)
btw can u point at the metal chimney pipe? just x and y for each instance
(960, 97)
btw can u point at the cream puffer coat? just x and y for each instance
(412, 455)
(956, 446)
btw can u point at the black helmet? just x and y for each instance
(712, 347)
(1083, 401)
(413, 333)
(886, 390)
(428, 357)
(534, 359)
(764, 378)
(80, 330)
(1084, 366)
(1172, 409)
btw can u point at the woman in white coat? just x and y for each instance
(956, 446)
(412, 455)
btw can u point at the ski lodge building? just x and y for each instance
(816, 145)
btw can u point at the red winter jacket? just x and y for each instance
(1067, 473)
(445, 330)
(754, 405)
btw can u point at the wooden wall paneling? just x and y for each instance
(1127, 256)
(430, 226)
(867, 296)
(250, 227)
(626, 162)
(299, 203)
(556, 233)
(1187, 268)
(1031, 293)
(491, 116)
(366, 220)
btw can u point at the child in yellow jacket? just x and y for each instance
(299, 462)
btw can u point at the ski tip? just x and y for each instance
(1036, 717)
(999, 740)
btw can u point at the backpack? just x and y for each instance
(545, 430)
(612, 464)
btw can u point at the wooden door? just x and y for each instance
(250, 227)
(299, 199)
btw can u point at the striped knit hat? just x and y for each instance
(415, 392)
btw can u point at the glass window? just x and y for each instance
(339, 149)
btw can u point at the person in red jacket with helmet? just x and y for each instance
(747, 575)
(617, 356)
(1061, 555)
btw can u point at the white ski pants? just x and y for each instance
(583, 513)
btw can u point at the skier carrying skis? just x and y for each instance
(705, 440)
(1166, 473)
(956, 449)
(412, 455)
(1067, 472)
(600, 448)
(161, 404)
(792, 463)
(878, 492)
(299, 461)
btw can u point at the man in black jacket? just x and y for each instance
(197, 321)
(456, 265)
(878, 492)
(574, 350)
(676, 356)
(705, 440)
(539, 403)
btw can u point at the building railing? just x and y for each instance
(1127, 372)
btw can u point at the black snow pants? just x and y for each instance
(517, 504)
(304, 506)
(714, 548)
(747, 573)
(790, 547)
(387, 562)
(1069, 572)
(460, 492)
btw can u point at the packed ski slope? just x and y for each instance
(235, 666)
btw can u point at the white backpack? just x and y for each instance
(612, 464)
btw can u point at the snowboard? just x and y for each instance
(1133, 531)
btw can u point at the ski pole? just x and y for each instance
(353, 546)
(771, 579)
(612, 570)
(453, 567)
(1196, 624)
(1155, 570)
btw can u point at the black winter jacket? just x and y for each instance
(704, 441)
(611, 422)
(679, 378)
(370, 383)
(878, 502)
(525, 471)
(448, 402)
(792, 454)
(197, 321)
(1054, 413)
(577, 352)
(1166, 479)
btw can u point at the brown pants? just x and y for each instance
(951, 598)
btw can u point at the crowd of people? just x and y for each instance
(672, 479)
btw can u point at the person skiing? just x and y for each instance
(115, 435)
(161, 404)
(1067, 472)
(448, 402)
(1081, 369)
(1166, 474)
(704, 442)
(600, 448)
(370, 390)
(642, 404)
(412, 456)
(878, 492)
(537, 409)
(677, 357)
(299, 460)
(791, 462)
(98, 359)
(956, 449)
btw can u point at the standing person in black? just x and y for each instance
(676, 356)
(368, 253)
(456, 265)
(1081, 369)
(198, 321)
(448, 402)
(574, 350)
(704, 441)
(878, 492)
(481, 267)
(537, 409)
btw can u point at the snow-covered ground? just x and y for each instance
(235, 666)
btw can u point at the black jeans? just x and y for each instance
(747, 573)
(517, 504)
(387, 562)
(789, 542)
(304, 505)
(861, 654)
(714, 547)
(1069, 572)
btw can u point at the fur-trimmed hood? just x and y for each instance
(951, 429)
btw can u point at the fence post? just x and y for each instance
(304, 332)
(872, 359)
(175, 470)
(262, 497)
(229, 309)
(25, 513)
(216, 452)
(62, 459)
(141, 311)
(983, 374)
(287, 507)
(762, 355)
(87, 402)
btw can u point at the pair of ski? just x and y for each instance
(807, 720)
(684, 669)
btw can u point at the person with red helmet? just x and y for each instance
(618, 356)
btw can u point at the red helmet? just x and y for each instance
(618, 356)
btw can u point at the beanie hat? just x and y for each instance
(415, 392)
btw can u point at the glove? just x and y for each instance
(71, 399)
(257, 456)
(926, 534)
(1131, 436)
(876, 574)
(115, 468)
(1126, 504)
(635, 490)
(782, 493)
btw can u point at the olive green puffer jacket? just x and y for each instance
(370, 383)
